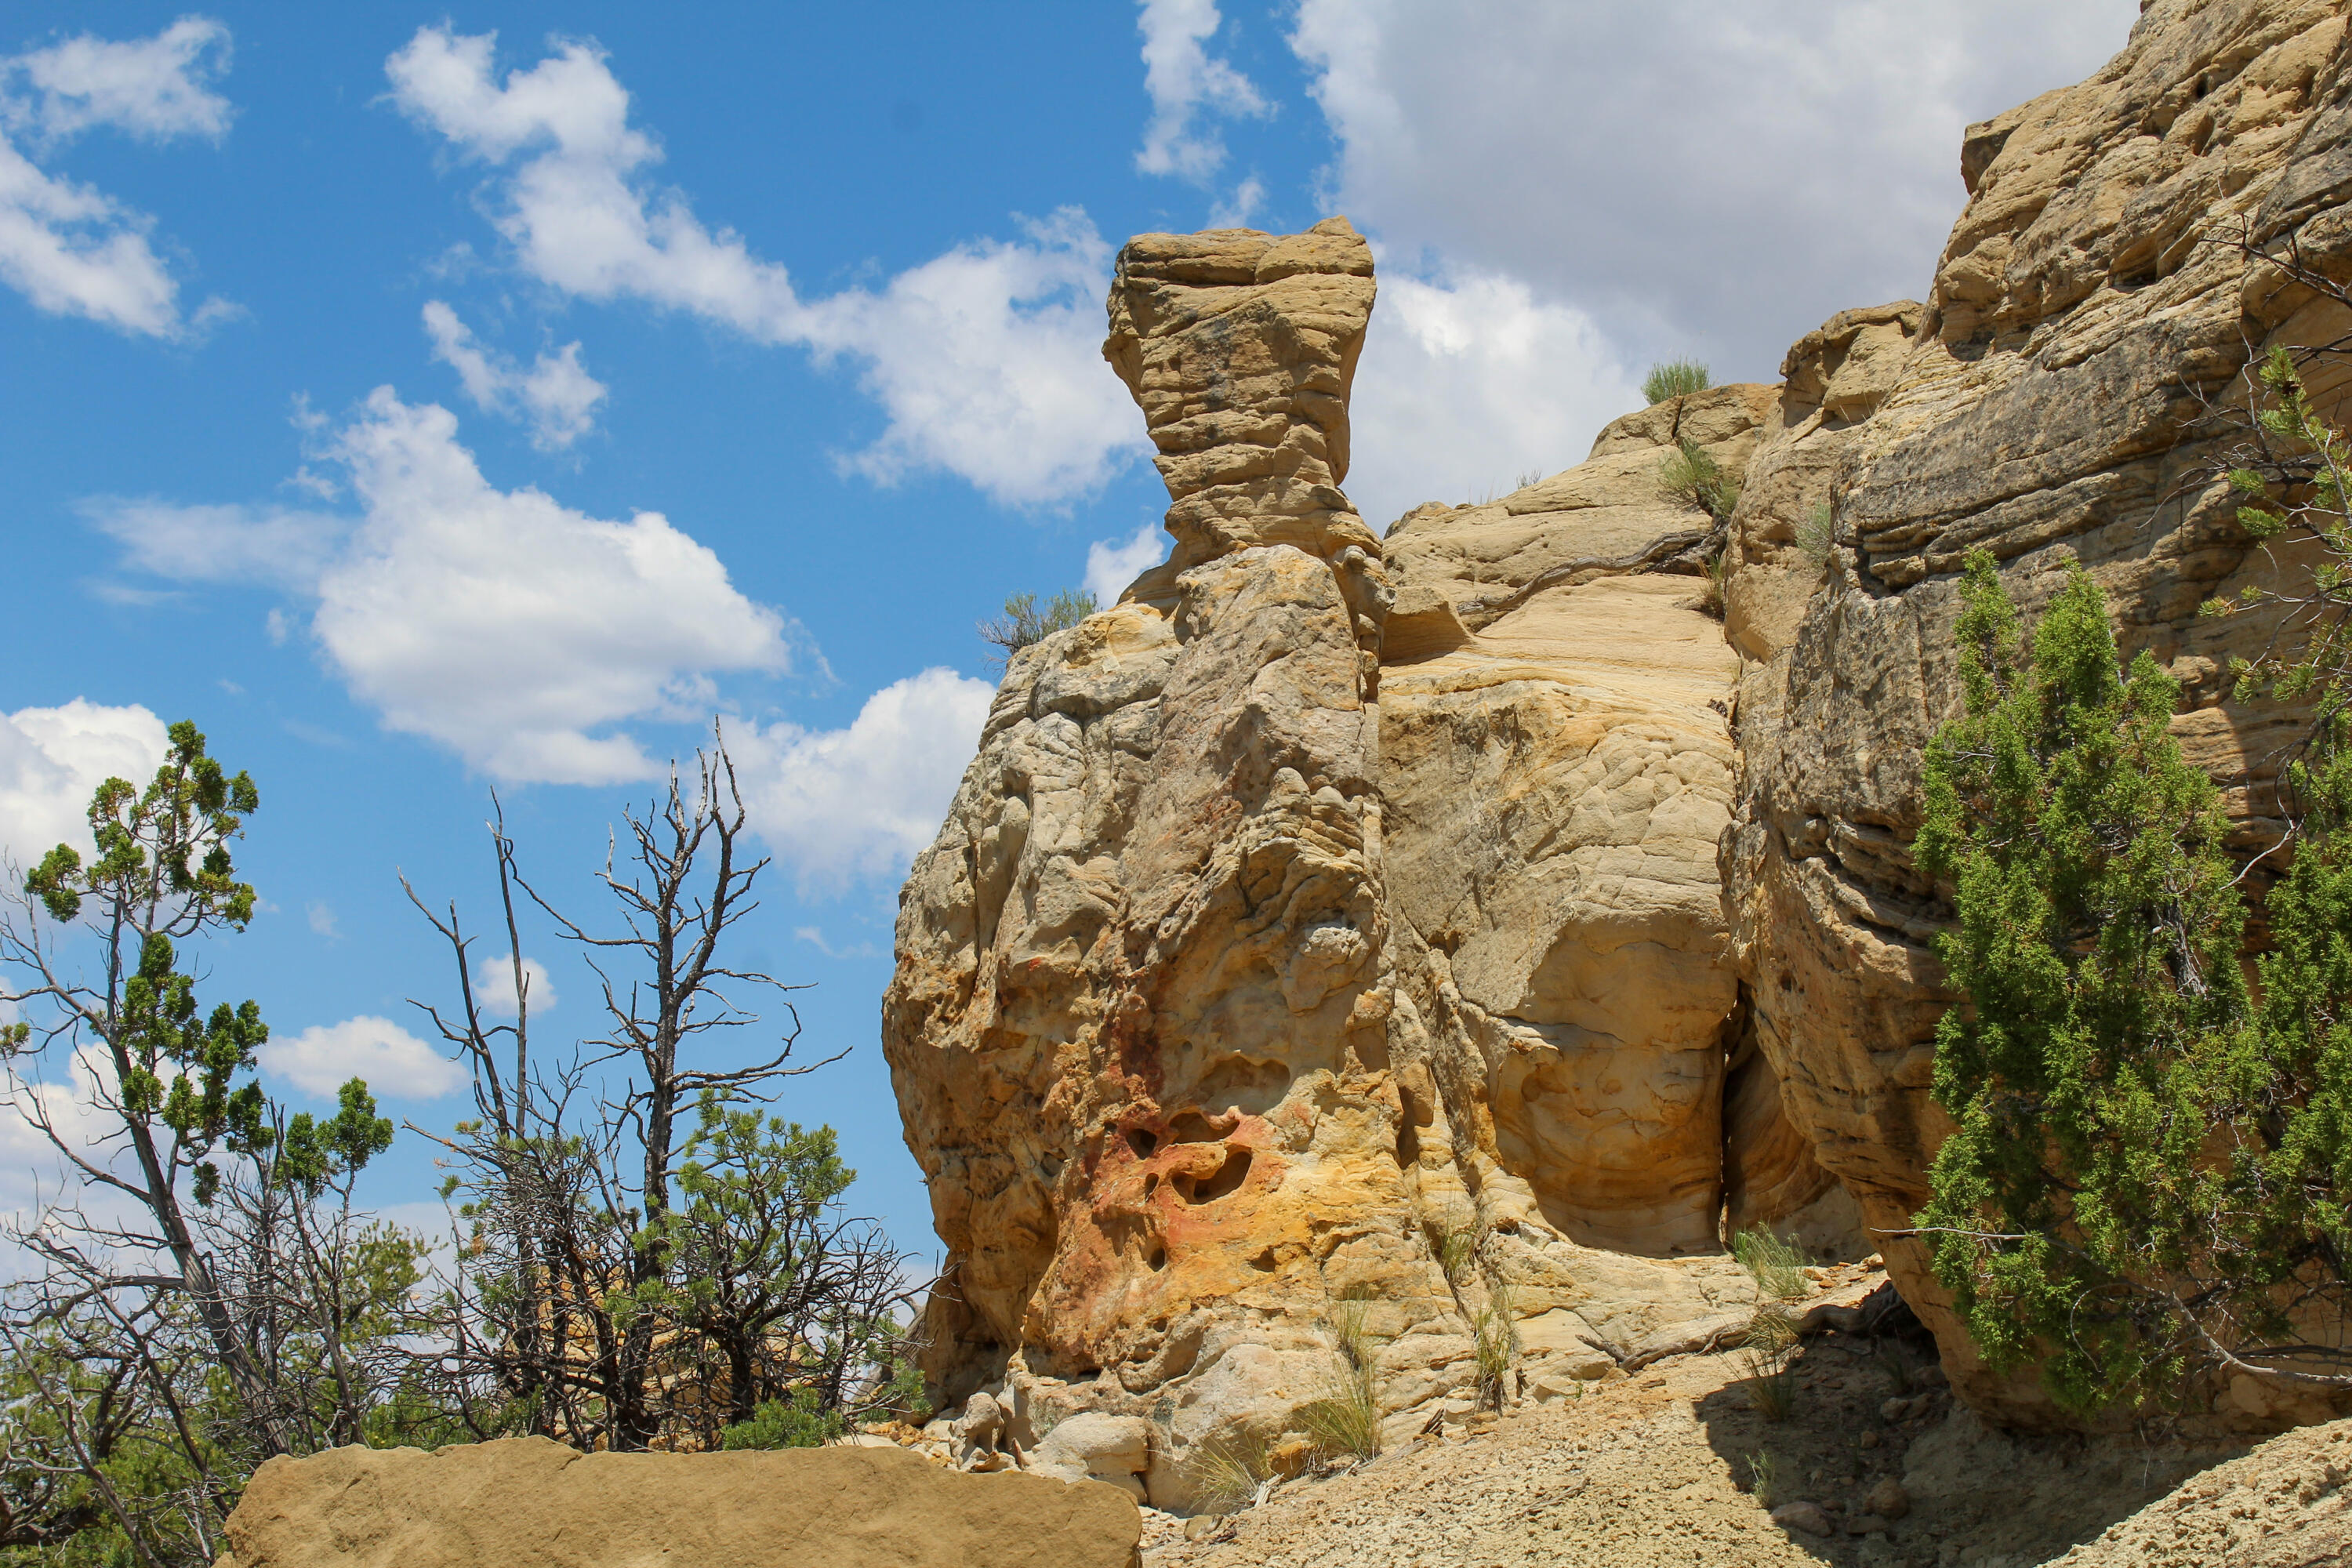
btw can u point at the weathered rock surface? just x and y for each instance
(1138, 1028)
(527, 1502)
(1555, 787)
(2052, 409)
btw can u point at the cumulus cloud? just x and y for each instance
(556, 396)
(53, 759)
(395, 1063)
(512, 629)
(1187, 84)
(1467, 383)
(70, 249)
(838, 805)
(155, 89)
(494, 984)
(1112, 564)
(1700, 178)
(985, 360)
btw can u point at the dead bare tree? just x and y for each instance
(571, 1311)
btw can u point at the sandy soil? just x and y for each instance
(1658, 1469)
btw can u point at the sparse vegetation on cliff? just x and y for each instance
(1674, 378)
(1023, 622)
(1690, 475)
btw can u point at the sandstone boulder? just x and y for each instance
(527, 1502)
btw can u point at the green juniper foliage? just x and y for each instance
(225, 1304)
(2149, 1174)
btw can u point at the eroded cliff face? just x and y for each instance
(2091, 312)
(1334, 895)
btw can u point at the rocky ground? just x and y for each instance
(1871, 1466)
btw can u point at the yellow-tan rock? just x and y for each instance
(1200, 1054)
(527, 1502)
(1555, 787)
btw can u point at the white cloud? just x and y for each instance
(1704, 178)
(988, 361)
(494, 984)
(509, 628)
(219, 544)
(556, 396)
(1469, 382)
(30, 1165)
(69, 248)
(1186, 81)
(75, 252)
(815, 937)
(156, 89)
(1236, 210)
(1112, 564)
(395, 1063)
(322, 921)
(985, 360)
(53, 759)
(838, 805)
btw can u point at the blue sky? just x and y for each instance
(431, 401)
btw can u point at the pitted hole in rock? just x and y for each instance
(1252, 1086)
(1142, 1139)
(1191, 1127)
(1225, 1180)
(1409, 1126)
(1264, 1262)
(1157, 1258)
(1151, 1183)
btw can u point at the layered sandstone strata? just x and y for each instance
(1556, 783)
(2063, 403)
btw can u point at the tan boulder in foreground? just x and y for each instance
(527, 1502)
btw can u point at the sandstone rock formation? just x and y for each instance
(1138, 1028)
(527, 1502)
(1473, 914)
(1556, 785)
(2091, 306)
(1232, 986)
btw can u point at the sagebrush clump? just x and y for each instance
(1674, 378)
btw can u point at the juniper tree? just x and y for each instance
(2149, 1171)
